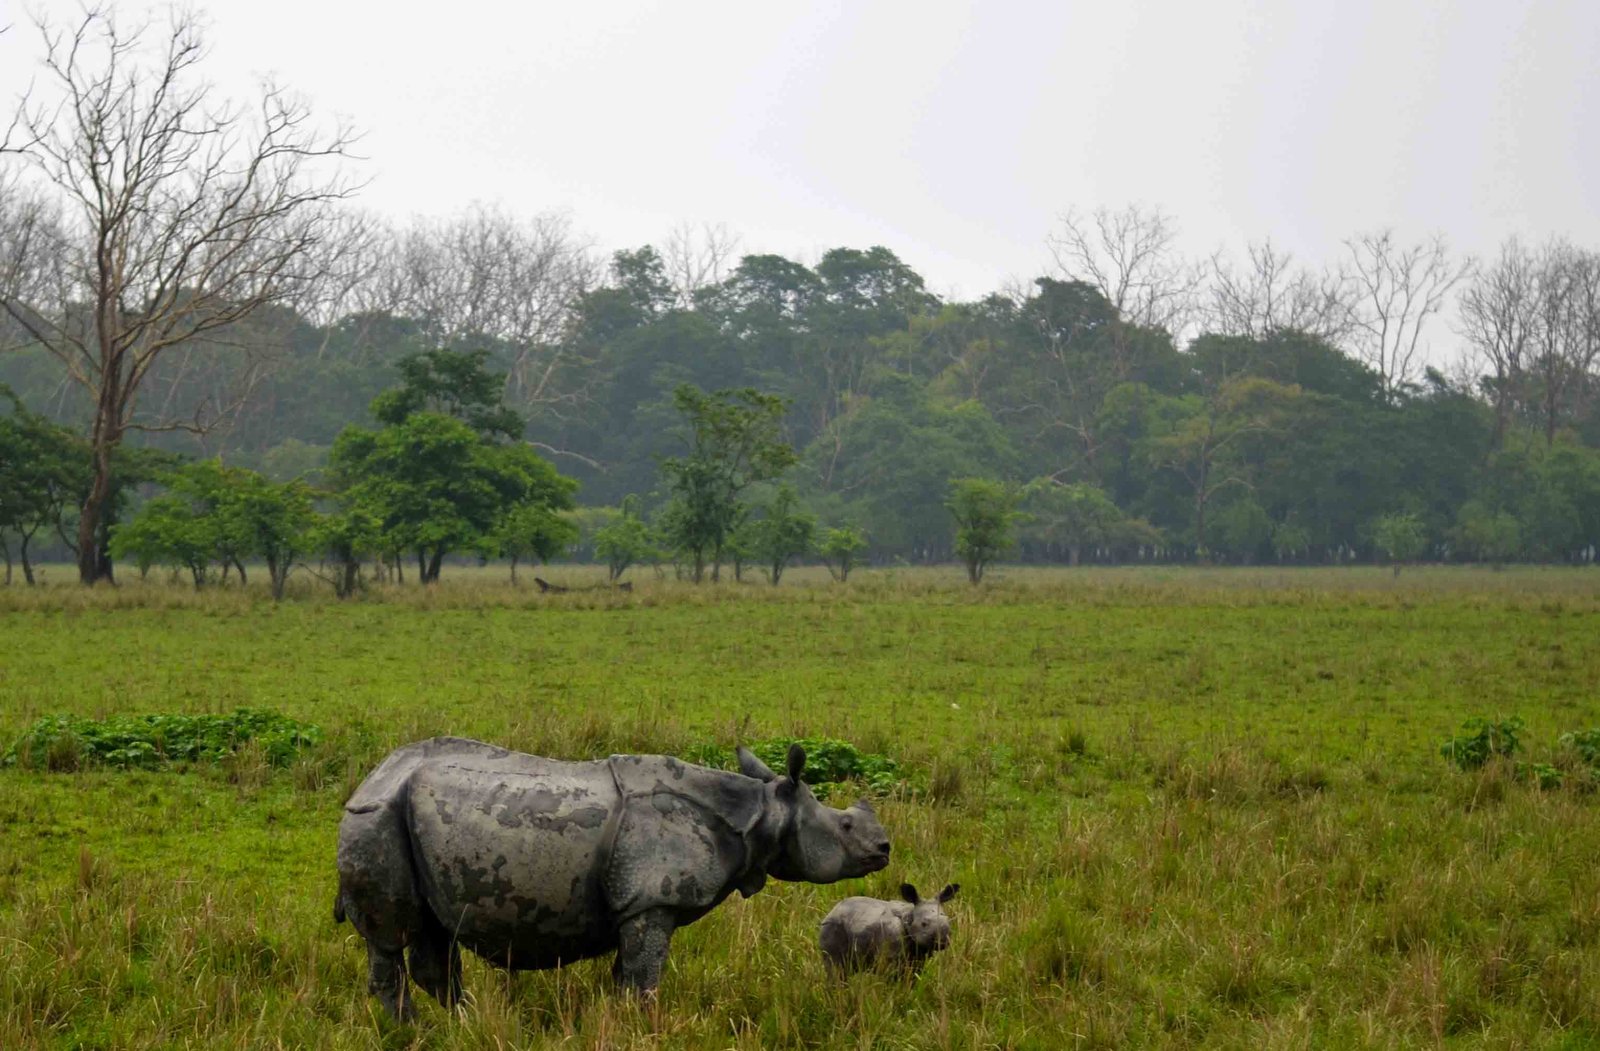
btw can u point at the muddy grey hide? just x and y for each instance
(534, 862)
(864, 931)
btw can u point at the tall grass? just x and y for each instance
(1186, 809)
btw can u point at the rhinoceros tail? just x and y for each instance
(338, 906)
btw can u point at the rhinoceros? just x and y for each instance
(863, 931)
(532, 862)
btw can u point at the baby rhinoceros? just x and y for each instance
(864, 931)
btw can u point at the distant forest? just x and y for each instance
(185, 280)
(1161, 410)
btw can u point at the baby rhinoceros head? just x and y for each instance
(927, 928)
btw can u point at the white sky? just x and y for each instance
(954, 133)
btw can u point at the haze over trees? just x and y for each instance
(182, 277)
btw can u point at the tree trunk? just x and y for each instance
(422, 566)
(89, 514)
(240, 567)
(513, 570)
(1073, 551)
(27, 566)
(433, 566)
(5, 549)
(277, 574)
(94, 562)
(349, 574)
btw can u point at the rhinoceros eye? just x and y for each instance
(847, 824)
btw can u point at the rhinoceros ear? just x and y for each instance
(948, 893)
(797, 762)
(750, 766)
(908, 892)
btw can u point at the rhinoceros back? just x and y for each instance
(510, 853)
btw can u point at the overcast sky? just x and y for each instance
(954, 133)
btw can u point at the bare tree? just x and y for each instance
(486, 277)
(1584, 317)
(696, 258)
(1270, 295)
(1498, 314)
(1131, 256)
(178, 216)
(1565, 336)
(1395, 290)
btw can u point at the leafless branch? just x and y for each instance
(1396, 290)
(1131, 256)
(1270, 295)
(696, 258)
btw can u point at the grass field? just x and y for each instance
(1187, 808)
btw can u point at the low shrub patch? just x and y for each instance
(1481, 740)
(828, 761)
(67, 742)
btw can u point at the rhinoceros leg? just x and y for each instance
(642, 950)
(378, 894)
(386, 979)
(435, 961)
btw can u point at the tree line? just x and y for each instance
(171, 284)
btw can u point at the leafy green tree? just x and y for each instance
(740, 549)
(279, 518)
(625, 541)
(735, 441)
(293, 459)
(428, 480)
(1402, 536)
(783, 533)
(1487, 534)
(436, 486)
(1070, 516)
(1203, 440)
(343, 539)
(1241, 529)
(840, 548)
(441, 481)
(209, 487)
(891, 457)
(169, 530)
(532, 530)
(450, 383)
(1290, 540)
(1134, 535)
(985, 512)
(43, 468)
(213, 513)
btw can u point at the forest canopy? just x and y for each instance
(489, 384)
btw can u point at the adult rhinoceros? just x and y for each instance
(534, 862)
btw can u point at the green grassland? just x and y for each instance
(1187, 808)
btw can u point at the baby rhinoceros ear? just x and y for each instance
(908, 892)
(948, 892)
